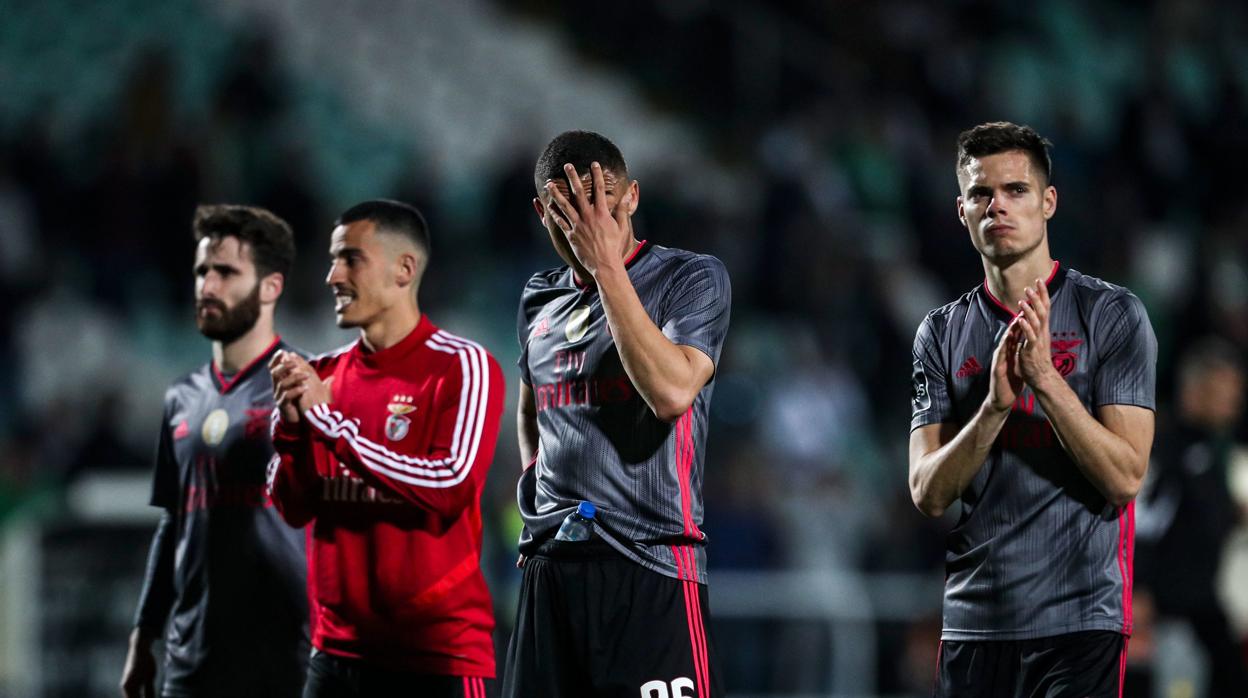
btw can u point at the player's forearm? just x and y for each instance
(657, 368)
(439, 479)
(1107, 460)
(939, 477)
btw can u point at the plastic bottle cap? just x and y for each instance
(586, 509)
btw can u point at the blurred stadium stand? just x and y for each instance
(808, 144)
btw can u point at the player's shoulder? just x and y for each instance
(543, 286)
(184, 389)
(937, 320)
(675, 257)
(1089, 286)
(545, 279)
(1094, 295)
(453, 346)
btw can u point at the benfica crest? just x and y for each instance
(398, 424)
(1064, 358)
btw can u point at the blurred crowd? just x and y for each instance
(829, 193)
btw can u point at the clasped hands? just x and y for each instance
(296, 386)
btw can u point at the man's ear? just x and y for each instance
(271, 287)
(541, 210)
(410, 265)
(961, 212)
(1050, 201)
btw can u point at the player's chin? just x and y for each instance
(344, 319)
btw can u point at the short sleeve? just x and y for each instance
(929, 384)
(1126, 373)
(165, 488)
(697, 306)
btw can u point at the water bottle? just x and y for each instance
(579, 524)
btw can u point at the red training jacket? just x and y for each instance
(389, 474)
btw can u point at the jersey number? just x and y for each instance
(658, 689)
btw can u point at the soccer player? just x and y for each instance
(1032, 405)
(618, 352)
(225, 573)
(384, 448)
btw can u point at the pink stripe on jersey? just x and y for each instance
(1130, 565)
(1126, 561)
(680, 563)
(689, 454)
(684, 471)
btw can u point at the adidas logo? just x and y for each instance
(970, 367)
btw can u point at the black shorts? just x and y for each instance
(593, 623)
(331, 676)
(1077, 665)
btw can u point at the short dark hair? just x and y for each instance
(269, 238)
(1208, 354)
(1001, 136)
(391, 216)
(581, 148)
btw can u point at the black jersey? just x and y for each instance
(599, 441)
(1037, 551)
(237, 616)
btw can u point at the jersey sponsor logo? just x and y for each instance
(397, 425)
(181, 431)
(578, 324)
(920, 398)
(970, 367)
(354, 490)
(588, 391)
(1019, 434)
(215, 426)
(215, 484)
(1064, 358)
(681, 687)
(569, 361)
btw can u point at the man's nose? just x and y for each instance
(334, 276)
(996, 206)
(210, 285)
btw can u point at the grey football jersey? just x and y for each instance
(239, 621)
(1037, 551)
(599, 441)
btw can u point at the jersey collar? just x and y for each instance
(377, 359)
(223, 385)
(1054, 282)
(637, 253)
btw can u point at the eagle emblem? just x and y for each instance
(398, 423)
(1064, 358)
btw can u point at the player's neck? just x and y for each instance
(390, 329)
(233, 357)
(1007, 282)
(583, 277)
